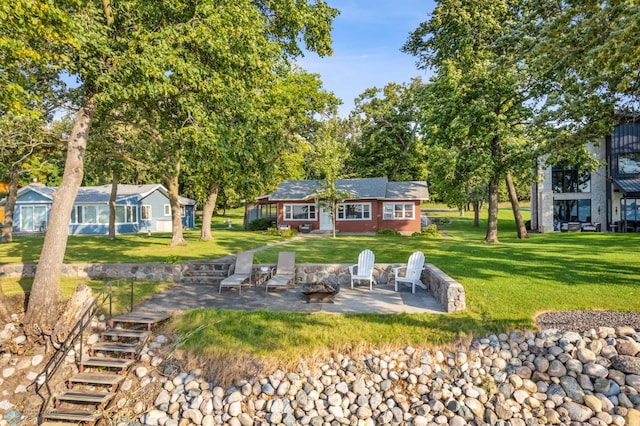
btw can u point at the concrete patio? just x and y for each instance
(382, 299)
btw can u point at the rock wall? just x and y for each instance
(446, 290)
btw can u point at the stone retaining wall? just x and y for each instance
(446, 290)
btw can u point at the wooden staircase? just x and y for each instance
(206, 272)
(101, 371)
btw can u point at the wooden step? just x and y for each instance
(90, 397)
(131, 348)
(72, 415)
(139, 317)
(141, 335)
(97, 361)
(108, 379)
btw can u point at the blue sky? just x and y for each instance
(367, 37)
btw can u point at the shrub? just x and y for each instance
(288, 233)
(173, 259)
(261, 224)
(387, 231)
(430, 231)
(273, 231)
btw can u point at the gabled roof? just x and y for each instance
(101, 194)
(365, 188)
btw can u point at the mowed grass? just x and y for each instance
(506, 285)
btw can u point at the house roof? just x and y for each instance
(365, 188)
(101, 194)
(630, 186)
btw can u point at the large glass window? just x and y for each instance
(629, 163)
(572, 211)
(354, 211)
(570, 180)
(299, 211)
(33, 218)
(630, 208)
(398, 211)
(100, 214)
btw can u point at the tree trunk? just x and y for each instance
(492, 224)
(207, 212)
(177, 239)
(334, 205)
(476, 212)
(515, 206)
(112, 205)
(43, 306)
(7, 231)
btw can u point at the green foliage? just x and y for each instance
(172, 260)
(273, 232)
(387, 231)
(261, 224)
(288, 233)
(430, 231)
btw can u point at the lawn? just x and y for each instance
(506, 285)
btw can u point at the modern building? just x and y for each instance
(607, 199)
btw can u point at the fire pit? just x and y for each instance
(320, 292)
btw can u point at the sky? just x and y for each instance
(367, 37)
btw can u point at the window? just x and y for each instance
(572, 211)
(76, 215)
(570, 180)
(354, 211)
(167, 210)
(629, 164)
(103, 214)
(145, 212)
(398, 211)
(630, 208)
(126, 214)
(300, 211)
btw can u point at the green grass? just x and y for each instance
(506, 285)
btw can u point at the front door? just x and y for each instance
(326, 224)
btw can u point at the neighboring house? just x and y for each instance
(608, 198)
(373, 204)
(139, 208)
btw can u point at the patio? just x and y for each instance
(382, 300)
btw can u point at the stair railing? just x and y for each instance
(74, 337)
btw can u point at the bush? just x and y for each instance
(260, 224)
(387, 232)
(273, 231)
(430, 231)
(288, 233)
(172, 260)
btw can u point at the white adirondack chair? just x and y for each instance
(363, 271)
(412, 271)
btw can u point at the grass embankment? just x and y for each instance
(506, 285)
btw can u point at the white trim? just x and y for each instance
(391, 215)
(362, 210)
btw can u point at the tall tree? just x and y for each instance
(389, 143)
(152, 55)
(480, 90)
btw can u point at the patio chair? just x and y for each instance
(241, 272)
(284, 272)
(412, 272)
(363, 271)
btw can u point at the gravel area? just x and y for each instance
(581, 321)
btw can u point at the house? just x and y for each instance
(607, 199)
(139, 208)
(373, 204)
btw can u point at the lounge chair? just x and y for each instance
(241, 272)
(284, 272)
(412, 272)
(363, 271)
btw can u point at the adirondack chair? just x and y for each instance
(363, 271)
(412, 272)
(284, 272)
(241, 272)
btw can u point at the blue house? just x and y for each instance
(139, 208)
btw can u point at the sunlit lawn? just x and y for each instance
(506, 284)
